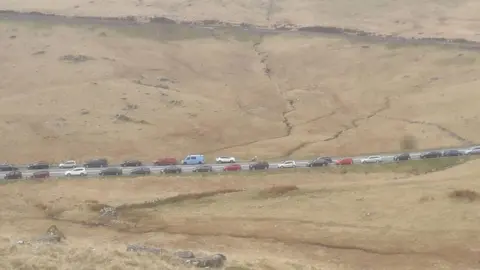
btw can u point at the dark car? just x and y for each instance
(260, 165)
(452, 153)
(39, 165)
(7, 168)
(13, 175)
(319, 162)
(432, 154)
(41, 174)
(141, 171)
(111, 171)
(203, 168)
(172, 169)
(402, 157)
(165, 161)
(131, 163)
(96, 163)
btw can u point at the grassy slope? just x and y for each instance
(308, 219)
(211, 95)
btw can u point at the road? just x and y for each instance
(93, 172)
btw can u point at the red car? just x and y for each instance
(165, 161)
(344, 161)
(232, 167)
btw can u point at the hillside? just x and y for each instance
(90, 88)
(372, 220)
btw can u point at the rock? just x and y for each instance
(142, 248)
(213, 261)
(184, 254)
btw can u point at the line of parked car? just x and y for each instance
(172, 164)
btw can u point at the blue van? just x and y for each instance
(193, 160)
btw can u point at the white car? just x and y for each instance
(68, 164)
(472, 151)
(287, 164)
(80, 171)
(372, 159)
(224, 159)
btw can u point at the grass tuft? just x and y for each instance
(464, 195)
(276, 191)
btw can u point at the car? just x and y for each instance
(40, 174)
(13, 175)
(141, 171)
(344, 161)
(172, 169)
(372, 159)
(452, 153)
(131, 163)
(431, 154)
(68, 164)
(39, 165)
(232, 167)
(473, 151)
(203, 168)
(318, 162)
(111, 171)
(96, 163)
(8, 168)
(225, 159)
(193, 160)
(165, 161)
(287, 164)
(259, 165)
(402, 157)
(79, 171)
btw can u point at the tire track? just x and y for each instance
(438, 126)
(284, 239)
(136, 228)
(354, 123)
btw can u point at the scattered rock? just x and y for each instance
(75, 58)
(184, 254)
(39, 53)
(214, 261)
(122, 117)
(142, 248)
(175, 102)
(130, 107)
(108, 212)
(84, 112)
(53, 235)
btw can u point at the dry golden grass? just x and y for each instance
(79, 89)
(146, 92)
(427, 18)
(292, 220)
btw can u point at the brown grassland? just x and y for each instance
(77, 89)
(418, 215)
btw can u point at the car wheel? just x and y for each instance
(82, 174)
(68, 175)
